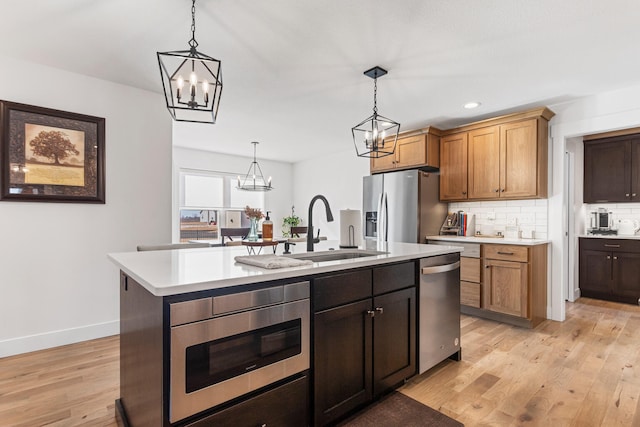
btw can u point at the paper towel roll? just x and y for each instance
(350, 228)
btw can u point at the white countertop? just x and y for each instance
(172, 272)
(496, 240)
(615, 236)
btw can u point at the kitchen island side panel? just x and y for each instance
(141, 369)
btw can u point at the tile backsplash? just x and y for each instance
(619, 210)
(527, 214)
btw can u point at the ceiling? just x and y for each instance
(293, 69)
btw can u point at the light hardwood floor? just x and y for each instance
(582, 372)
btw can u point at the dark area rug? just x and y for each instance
(396, 409)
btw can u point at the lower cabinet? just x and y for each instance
(364, 344)
(609, 269)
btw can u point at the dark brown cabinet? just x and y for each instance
(612, 169)
(609, 269)
(364, 337)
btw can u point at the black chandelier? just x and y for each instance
(192, 81)
(375, 136)
(254, 179)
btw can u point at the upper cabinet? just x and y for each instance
(506, 158)
(612, 169)
(414, 149)
(453, 166)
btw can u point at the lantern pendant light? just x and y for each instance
(376, 136)
(191, 80)
(254, 179)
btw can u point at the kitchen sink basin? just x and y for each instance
(336, 255)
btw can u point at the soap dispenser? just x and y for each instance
(267, 229)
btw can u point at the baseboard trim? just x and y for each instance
(26, 344)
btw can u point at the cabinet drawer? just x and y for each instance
(343, 288)
(392, 277)
(470, 294)
(612, 245)
(470, 269)
(506, 252)
(286, 405)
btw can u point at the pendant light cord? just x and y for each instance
(375, 96)
(193, 43)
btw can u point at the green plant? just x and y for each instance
(290, 221)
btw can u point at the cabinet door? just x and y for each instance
(505, 287)
(626, 274)
(635, 170)
(342, 360)
(595, 272)
(453, 167)
(519, 159)
(394, 339)
(484, 163)
(411, 151)
(385, 163)
(607, 171)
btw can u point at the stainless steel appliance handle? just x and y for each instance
(440, 268)
(386, 218)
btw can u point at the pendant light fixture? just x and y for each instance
(375, 136)
(192, 81)
(254, 180)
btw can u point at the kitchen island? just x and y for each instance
(334, 305)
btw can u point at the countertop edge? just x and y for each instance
(257, 275)
(489, 240)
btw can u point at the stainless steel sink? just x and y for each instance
(336, 255)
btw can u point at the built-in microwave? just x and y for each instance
(226, 346)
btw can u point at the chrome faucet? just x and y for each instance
(310, 239)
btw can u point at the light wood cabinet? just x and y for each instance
(453, 166)
(506, 158)
(415, 149)
(515, 282)
(484, 163)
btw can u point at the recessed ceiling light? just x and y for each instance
(470, 105)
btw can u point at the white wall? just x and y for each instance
(604, 112)
(338, 177)
(278, 200)
(57, 285)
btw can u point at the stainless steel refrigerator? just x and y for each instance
(402, 206)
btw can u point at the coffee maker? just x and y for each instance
(601, 222)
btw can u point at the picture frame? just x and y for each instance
(49, 155)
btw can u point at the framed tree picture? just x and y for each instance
(50, 155)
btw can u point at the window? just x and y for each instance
(209, 200)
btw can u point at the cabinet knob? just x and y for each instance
(497, 190)
(371, 313)
(615, 257)
(486, 266)
(464, 193)
(627, 195)
(502, 190)
(633, 194)
(380, 310)
(608, 256)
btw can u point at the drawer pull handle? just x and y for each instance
(611, 246)
(505, 253)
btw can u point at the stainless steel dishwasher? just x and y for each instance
(439, 310)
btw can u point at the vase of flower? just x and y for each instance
(254, 216)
